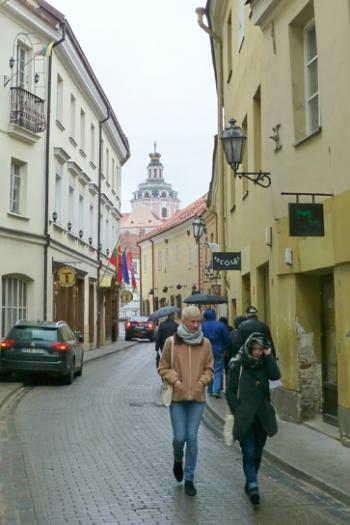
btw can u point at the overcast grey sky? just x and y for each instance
(154, 63)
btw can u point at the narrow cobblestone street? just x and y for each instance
(99, 452)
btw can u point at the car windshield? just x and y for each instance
(139, 319)
(30, 333)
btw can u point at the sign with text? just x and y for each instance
(226, 260)
(306, 220)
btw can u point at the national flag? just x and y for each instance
(125, 269)
(131, 269)
(119, 266)
(45, 51)
(114, 257)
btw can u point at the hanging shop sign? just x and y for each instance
(226, 260)
(306, 220)
(126, 296)
(66, 276)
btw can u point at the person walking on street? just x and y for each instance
(218, 335)
(165, 330)
(251, 325)
(248, 397)
(191, 370)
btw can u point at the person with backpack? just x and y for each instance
(248, 397)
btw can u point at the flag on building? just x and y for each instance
(125, 269)
(114, 257)
(131, 269)
(119, 266)
(45, 51)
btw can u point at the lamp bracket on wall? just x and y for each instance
(262, 178)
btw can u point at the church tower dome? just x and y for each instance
(156, 194)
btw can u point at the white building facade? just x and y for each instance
(63, 149)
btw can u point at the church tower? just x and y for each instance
(155, 193)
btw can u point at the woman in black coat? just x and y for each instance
(248, 396)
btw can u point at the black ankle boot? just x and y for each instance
(178, 471)
(190, 489)
(254, 495)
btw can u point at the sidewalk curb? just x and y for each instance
(106, 353)
(295, 471)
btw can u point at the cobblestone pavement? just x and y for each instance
(99, 452)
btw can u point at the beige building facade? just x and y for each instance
(63, 149)
(279, 70)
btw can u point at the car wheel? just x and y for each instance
(68, 378)
(80, 371)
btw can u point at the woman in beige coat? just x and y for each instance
(192, 369)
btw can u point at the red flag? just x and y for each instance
(119, 266)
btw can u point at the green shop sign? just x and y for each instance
(306, 220)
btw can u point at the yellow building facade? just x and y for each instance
(280, 72)
(171, 261)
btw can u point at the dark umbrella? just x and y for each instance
(164, 312)
(205, 298)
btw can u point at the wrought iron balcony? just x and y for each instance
(27, 110)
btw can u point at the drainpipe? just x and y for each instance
(99, 261)
(152, 241)
(47, 171)
(201, 12)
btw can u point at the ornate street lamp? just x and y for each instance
(198, 226)
(234, 142)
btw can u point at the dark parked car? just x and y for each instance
(140, 327)
(49, 347)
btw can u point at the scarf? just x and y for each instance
(245, 359)
(190, 338)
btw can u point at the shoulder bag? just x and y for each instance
(166, 392)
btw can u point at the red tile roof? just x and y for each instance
(194, 209)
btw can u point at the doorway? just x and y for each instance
(329, 351)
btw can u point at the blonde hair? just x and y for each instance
(190, 311)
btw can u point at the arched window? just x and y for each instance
(163, 194)
(147, 195)
(14, 301)
(164, 213)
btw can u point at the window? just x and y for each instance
(113, 174)
(82, 129)
(91, 221)
(16, 188)
(71, 199)
(240, 19)
(106, 237)
(81, 212)
(58, 191)
(92, 142)
(229, 47)
(107, 164)
(245, 158)
(59, 99)
(14, 302)
(257, 129)
(304, 73)
(21, 66)
(73, 117)
(164, 213)
(311, 78)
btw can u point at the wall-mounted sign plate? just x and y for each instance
(226, 260)
(306, 220)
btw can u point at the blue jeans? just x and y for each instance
(252, 446)
(185, 419)
(215, 386)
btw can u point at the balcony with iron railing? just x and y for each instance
(27, 110)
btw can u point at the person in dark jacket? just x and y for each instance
(217, 333)
(166, 329)
(251, 325)
(248, 397)
(232, 348)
